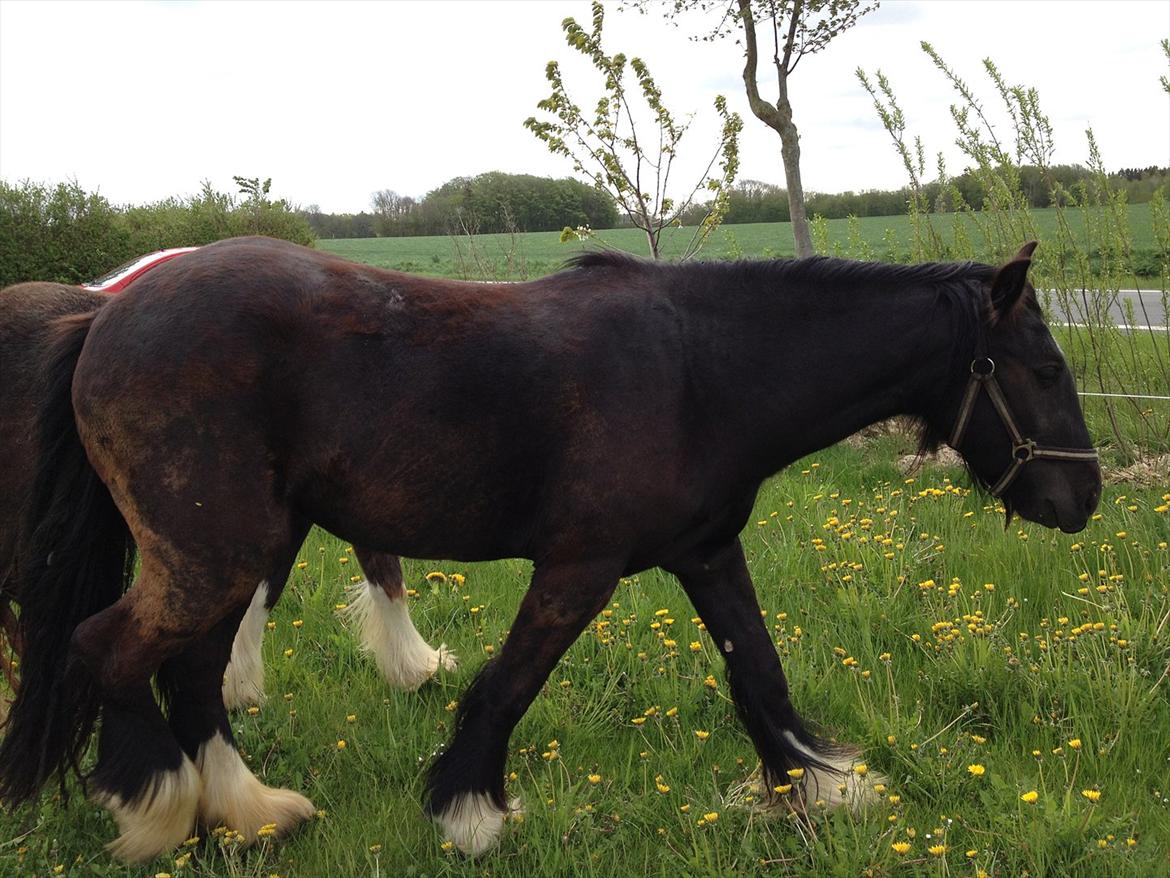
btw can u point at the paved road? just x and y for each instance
(1148, 310)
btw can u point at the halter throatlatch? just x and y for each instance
(1023, 450)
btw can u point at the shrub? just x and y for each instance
(67, 235)
(61, 233)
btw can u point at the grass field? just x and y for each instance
(976, 666)
(537, 253)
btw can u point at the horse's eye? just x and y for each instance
(1048, 374)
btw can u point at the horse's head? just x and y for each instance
(1018, 421)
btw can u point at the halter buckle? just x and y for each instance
(983, 367)
(1024, 451)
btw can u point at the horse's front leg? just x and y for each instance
(794, 761)
(466, 783)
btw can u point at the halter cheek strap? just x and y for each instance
(1023, 450)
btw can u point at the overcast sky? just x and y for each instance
(143, 100)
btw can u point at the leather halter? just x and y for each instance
(1023, 450)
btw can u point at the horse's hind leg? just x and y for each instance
(142, 775)
(231, 795)
(379, 606)
(720, 587)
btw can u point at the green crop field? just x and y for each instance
(537, 253)
(1009, 686)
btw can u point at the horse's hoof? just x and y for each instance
(473, 823)
(160, 819)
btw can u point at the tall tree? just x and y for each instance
(798, 28)
(605, 145)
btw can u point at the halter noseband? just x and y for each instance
(1023, 450)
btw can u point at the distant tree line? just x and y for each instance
(484, 204)
(498, 202)
(752, 201)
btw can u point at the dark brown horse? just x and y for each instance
(378, 604)
(26, 311)
(624, 414)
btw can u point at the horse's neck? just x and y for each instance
(812, 372)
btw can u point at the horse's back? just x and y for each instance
(385, 403)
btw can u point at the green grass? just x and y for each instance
(537, 253)
(851, 562)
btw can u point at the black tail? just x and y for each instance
(75, 558)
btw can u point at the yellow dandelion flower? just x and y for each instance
(1030, 797)
(782, 789)
(900, 847)
(436, 576)
(1075, 744)
(796, 773)
(976, 769)
(937, 850)
(341, 744)
(1092, 795)
(861, 769)
(711, 816)
(298, 623)
(702, 735)
(594, 779)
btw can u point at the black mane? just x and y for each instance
(814, 269)
(957, 285)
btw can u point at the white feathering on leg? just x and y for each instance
(160, 819)
(233, 797)
(841, 785)
(473, 822)
(404, 658)
(243, 681)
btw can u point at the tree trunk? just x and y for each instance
(652, 240)
(790, 153)
(779, 119)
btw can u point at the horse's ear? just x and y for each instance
(1010, 282)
